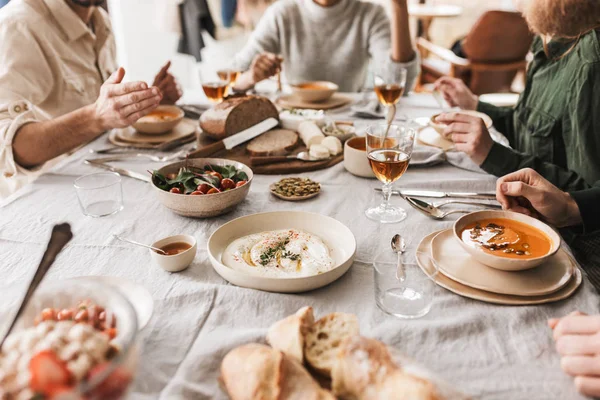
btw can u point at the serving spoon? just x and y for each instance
(156, 249)
(61, 235)
(399, 246)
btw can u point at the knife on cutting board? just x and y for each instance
(235, 140)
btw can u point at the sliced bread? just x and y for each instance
(288, 334)
(276, 142)
(324, 338)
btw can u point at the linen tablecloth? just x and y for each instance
(487, 351)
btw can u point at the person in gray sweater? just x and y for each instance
(329, 40)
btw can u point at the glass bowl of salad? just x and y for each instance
(75, 340)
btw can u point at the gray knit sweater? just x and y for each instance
(325, 43)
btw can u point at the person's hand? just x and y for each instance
(169, 88)
(264, 66)
(469, 135)
(456, 93)
(577, 338)
(527, 192)
(121, 104)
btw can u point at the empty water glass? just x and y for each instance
(99, 194)
(408, 295)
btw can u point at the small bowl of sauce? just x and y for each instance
(180, 249)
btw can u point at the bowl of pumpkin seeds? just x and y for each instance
(295, 189)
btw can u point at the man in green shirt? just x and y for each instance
(555, 126)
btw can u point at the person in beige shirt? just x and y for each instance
(60, 86)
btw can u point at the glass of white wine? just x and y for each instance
(390, 82)
(215, 85)
(389, 149)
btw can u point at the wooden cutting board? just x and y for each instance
(288, 167)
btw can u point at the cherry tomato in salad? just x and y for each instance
(213, 190)
(175, 190)
(215, 174)
(241, 183)
(65, 315)
(82, 316)
(48, 314)
(196, 193)
(171, 176)
(204, 188)
(227, 184)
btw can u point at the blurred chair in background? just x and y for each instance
(495, 50)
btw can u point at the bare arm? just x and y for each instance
(118, 106)
(402, 49)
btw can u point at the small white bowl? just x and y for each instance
(355, 159)
(315, 91)
(152, 125)
(178, 262)
(499, 262)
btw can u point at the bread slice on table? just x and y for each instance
(288, 334)
(364, 370)
(325, 337)
(276, 142)
(258, 372)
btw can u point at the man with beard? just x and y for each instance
(60, 86)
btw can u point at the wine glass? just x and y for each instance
(389, 82)
(215, 84)
(229, 75)
(389, 149)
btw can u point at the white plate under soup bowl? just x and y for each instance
(499, 262)
(336, 236)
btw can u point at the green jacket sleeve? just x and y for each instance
(588, 202)
(502, 118)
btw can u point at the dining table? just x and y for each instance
(484, 350)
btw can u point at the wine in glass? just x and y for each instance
(389, 155)
(229, 75)
(215, 87)
(389, 84)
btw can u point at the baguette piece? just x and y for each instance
(234, 114)
(364, 370)
(324, 338)
(276, 142)
(288, 334)
(258, 372)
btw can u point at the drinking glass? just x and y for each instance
(389, 148)
(404, 295)
(215, 87)
(229, 75)
(99, 194)
(389, 83)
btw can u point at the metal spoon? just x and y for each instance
(399, 246)
(61, 235)
(430, 210)
(160, 251)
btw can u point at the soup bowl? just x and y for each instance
(160, 120)
(315, 91)
(355, 157)
(439, 127)
(504, 262)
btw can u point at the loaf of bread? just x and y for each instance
(364, 370)
(288, 334)
(258, 372)
(324, 338)
(276, 142)
(235, 114)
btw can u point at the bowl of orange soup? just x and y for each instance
(159, 121)
(506, 240)
(315, 91)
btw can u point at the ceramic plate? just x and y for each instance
(489, 297)
(291, 101)
(336, 235)
(500, 99)
(458, 265)
(185, 128)
(430, 137)
(138, 296)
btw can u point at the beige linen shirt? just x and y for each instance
(51, 63)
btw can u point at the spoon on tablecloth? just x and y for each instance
(61, 235)
(156, 249)
(399, 246)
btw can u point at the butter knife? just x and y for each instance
(237, 139)
(437, 194)
(121, 171)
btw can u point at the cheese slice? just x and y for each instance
(310, 133)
